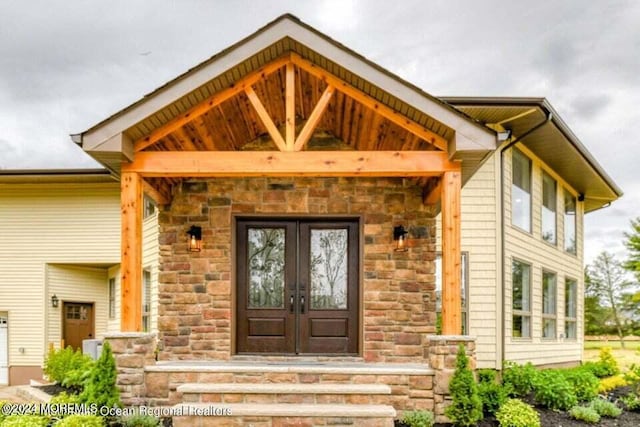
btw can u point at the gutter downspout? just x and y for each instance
(510, 144)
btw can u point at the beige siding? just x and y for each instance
(72, 283)
(531, 249)
(49, 224)
(150, 260)
(479, 230)
(113, 323)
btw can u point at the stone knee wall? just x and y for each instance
(196, 289)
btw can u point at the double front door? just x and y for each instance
(297, 286)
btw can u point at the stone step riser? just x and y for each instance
(285, 398)
(282, 422)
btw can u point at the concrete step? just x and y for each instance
(283, 388)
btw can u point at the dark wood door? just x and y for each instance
(77, 323)
(297, 286)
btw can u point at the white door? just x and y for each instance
(4, 350)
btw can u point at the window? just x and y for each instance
(463, 290)
(521, 191)
(549, 296)
(146, 300)
(569, 223)
(570, 308)
(149, 207)
(548, 209)
(112, 298)
(521, 299)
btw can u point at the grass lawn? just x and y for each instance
(625, 357)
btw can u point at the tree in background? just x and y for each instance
(633, 245)
(605, 279)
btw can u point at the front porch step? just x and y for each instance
(284, 414)
(283, 388)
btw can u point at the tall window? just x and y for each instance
(521, 191)
(149, 208)
(569, 222)
(463, 290)
(146, 301)
(112, 298)
(548, 209)
(549, 296)
(570, 308)
(521, 299)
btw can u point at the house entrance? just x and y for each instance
(297, 286)
(77, 323)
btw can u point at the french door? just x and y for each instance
(297, 286)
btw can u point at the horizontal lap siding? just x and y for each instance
(44, 224)
(150, 261)
(479, 234)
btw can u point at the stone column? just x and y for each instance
(441, 351)
(132, 351)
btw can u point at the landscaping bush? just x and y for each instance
(492, 394)
(518, 379)
(604, 408)
(586, 414)
(100, 387)
(81, 421)
(631, 401)
(67, 367)
(65, 398)
(516, 413)
(466, 406)
(410, 418)
(585, 384)
(610, 383)
(553, 390)
(25, 421)
(606, 366)
(632, 378)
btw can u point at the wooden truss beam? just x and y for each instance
(290, 107)
(371, 102)
(314, 118)
(207, 104)
(211, 164)
(451, 257)
(156, 195)
(266, 119)
(432, 191)
(131, 252)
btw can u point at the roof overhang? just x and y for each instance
(553, 142)
(110, 141)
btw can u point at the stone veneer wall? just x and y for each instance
(195, 288)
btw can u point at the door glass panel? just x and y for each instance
(266, 267)
(329, 269)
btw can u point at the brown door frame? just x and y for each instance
(64, 314)
(358, 251)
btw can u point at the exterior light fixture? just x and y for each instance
(399, 236)
(195, 238)
(54, 301)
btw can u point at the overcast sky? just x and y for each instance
(65, 65)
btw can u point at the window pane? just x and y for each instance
(548, 328)
(521, 326)
(570, 329)
(569, 223)
(521, 274)
(548, 209)
(266, 267)
(329, 269)
(112, 298)
(548, 293)
(521, 191)
(571, 298)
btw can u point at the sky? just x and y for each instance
(66, 65)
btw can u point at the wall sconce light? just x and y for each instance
(195, 238)
(54, 301)
(399, 236)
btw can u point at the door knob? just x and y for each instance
(302, 304)
(291, 304)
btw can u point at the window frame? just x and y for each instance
(569, 196)
(149, 207)
(549, 316)
(112, 297)
(548, 177)
(146, 300)
(519, 312)
(567, 318)
(529, 230)
(464, 282)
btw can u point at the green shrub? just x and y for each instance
(466, 406)
(67, 367)
(606, 366)
(604, 408)
(633, 378)
(410, 418)
(2, 403)
(586, 414)
(25, 421)
(516, 413)
(64, 398)
(81, 421)
(585, 384)
(492, 394)
(518, 379)
(631, 401)
(553, 390)
(100, 387)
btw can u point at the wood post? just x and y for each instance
(131, 252)
(451, 268)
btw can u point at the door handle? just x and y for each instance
(302, 304)
(291, 304)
